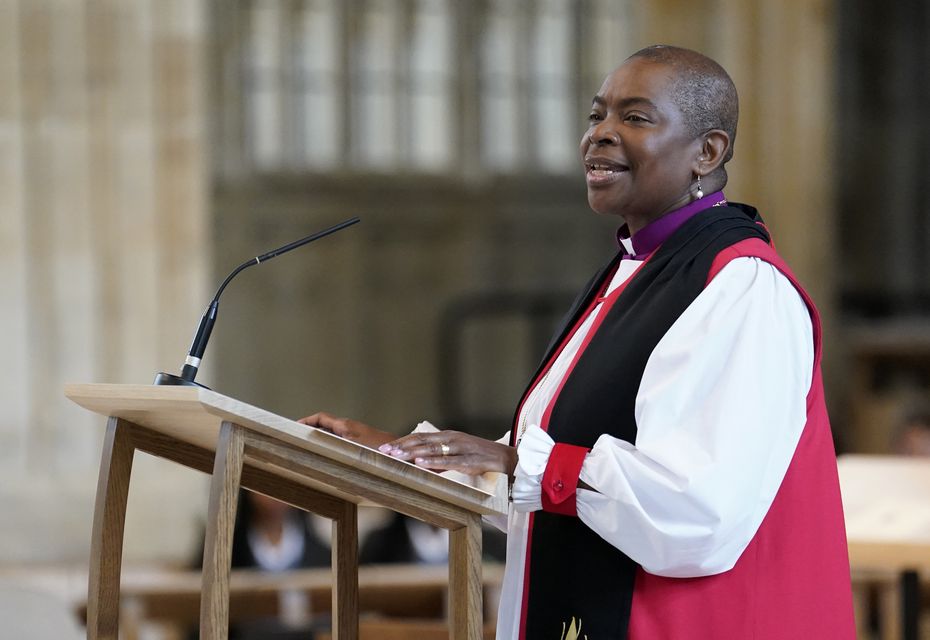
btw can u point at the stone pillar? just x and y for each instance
(104, 248)
(780, 55)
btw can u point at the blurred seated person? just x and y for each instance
(405, 540)
(912, 437)
(273, 536)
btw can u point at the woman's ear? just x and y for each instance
(714, 148)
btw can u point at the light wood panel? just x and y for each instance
(107, 541)
(194, 416)
(465, 605)
(221, 521)
(345, 560)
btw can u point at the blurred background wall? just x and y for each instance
(104, 179)
(104, 198)
(452, 129)
(149, 146)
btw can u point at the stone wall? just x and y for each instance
(103, 253)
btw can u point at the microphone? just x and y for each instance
(199, 344)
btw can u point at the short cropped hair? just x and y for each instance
(703, 91)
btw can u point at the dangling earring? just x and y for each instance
(699, 193)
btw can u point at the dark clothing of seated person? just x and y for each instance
(404, 540)
(272, 536)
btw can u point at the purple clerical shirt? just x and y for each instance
(650, 237)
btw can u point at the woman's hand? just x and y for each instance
(453, 451)
(349, 429)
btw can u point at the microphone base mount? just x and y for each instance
(169, 379)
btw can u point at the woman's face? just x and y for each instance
(637, 152)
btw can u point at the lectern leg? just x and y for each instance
(465, 585)
(221, 516)
(106, 551)
(345, 567)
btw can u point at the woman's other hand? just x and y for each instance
(453, 451)
(353, 430)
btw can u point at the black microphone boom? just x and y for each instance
(199, 344)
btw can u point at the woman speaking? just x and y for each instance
(673, 473)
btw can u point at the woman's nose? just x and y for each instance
(603, 135)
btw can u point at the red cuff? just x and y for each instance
(560, 479)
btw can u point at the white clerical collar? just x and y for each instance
(627, 244)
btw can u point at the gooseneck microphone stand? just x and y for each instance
(199, 345)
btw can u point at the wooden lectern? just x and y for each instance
(311, 469)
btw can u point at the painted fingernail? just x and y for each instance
(385, 448)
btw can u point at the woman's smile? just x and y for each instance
(600, 171)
